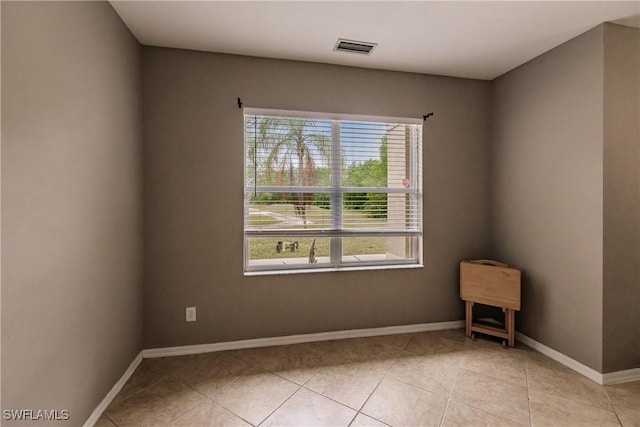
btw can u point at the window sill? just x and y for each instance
(333, 269)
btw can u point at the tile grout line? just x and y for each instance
(162, 378)
(228, 409)
(171, 377)
(207, 398)
(260, 366)
(107, 417)
(329, 398)
(279, 406)
(346, 406)
(453, 386)
(196, 390)
(480, 408)
(301, 386)
(618, 418)
(404, 347)
(335, 401)
(271, 413)
(190, 409)
(253, 366)
(613, 407)
(224, 387)
(575, 399)
(312, 376)
(145, 387)
(417, 386)
(391, 365)
(526, 374)
(368, 416)
(486, 374)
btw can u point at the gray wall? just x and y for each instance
(621, 339)
(547, 191)
(564, 170)
(71, 205)
(193, 177)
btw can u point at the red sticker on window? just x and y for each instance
(405, 182)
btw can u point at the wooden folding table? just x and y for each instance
(490, 283)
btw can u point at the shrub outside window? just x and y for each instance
(331, 192)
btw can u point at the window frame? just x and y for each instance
(336, 192)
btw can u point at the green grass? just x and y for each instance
(258, 220)
(364, 245)
(265, 248)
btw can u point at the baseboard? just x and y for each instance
(95, 415)
(588, 372)
(621, 376)
(602, 379)
(297, 339)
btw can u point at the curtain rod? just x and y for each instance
(424, 117)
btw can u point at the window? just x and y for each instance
(334, 193)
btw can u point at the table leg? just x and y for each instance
(468, 318)
(511, 325)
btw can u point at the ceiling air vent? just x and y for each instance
(354, 47)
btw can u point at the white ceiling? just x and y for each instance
(475, 39)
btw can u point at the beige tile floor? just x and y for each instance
(424, 379)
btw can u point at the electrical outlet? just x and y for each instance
(191, 314)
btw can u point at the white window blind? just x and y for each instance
(330, 192)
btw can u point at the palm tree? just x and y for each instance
(290, 145)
